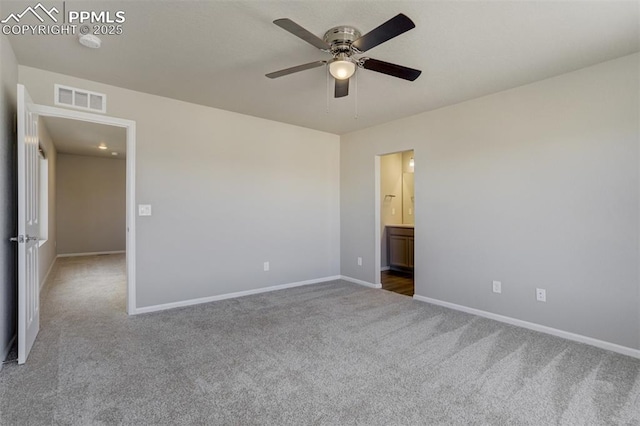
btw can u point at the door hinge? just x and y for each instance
(18, 239)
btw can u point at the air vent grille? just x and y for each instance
(80, 98)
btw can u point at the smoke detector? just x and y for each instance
(89, 40)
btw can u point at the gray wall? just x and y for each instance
(91, 204)
(47, 250)
(8, 195)
(536, 187)
(228, 192)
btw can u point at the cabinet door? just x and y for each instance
(398, 251)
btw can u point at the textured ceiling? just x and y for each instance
(216, 53)
(83, 138)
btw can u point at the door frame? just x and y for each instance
(377, 216)
(130, 127)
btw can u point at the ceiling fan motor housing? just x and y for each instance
(340, 39)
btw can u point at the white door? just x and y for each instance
(28, 226)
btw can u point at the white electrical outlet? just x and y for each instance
(497, 287)
(541, 295)
(359, 261)
(393, 211)
(266, 266)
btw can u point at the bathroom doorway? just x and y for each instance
(397, 225)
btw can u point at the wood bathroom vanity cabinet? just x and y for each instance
(400, 247)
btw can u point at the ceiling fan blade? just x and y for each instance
(298, 68)
(391, 69)
(342, 88)
(390, 29)
(298, 31)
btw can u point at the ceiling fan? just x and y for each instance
(343, 43)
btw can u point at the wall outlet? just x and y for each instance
(359, 261)
(266, 266)
(393, 211)
(541, 295)
(497, 287)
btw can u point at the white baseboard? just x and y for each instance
(172, 305)
(46, 277)
(94, 253)
(357, 281)
(385, 268)
(536, 327)
(5, 351)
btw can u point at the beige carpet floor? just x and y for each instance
(326, 354)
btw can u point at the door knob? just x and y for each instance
(23, 239)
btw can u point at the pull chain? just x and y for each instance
(327, 90)
(356, 96)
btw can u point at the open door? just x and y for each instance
(28, 226)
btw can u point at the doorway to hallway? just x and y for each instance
(29, 230)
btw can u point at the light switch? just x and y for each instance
(144, 210)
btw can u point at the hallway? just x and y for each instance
(77, 284)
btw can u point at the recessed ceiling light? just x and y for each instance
(89, 40)
(114, 153)
(102, 146)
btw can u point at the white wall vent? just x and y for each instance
(80, 98)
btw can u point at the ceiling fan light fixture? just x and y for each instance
(342, 69)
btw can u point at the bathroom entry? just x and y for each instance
(397, 212)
